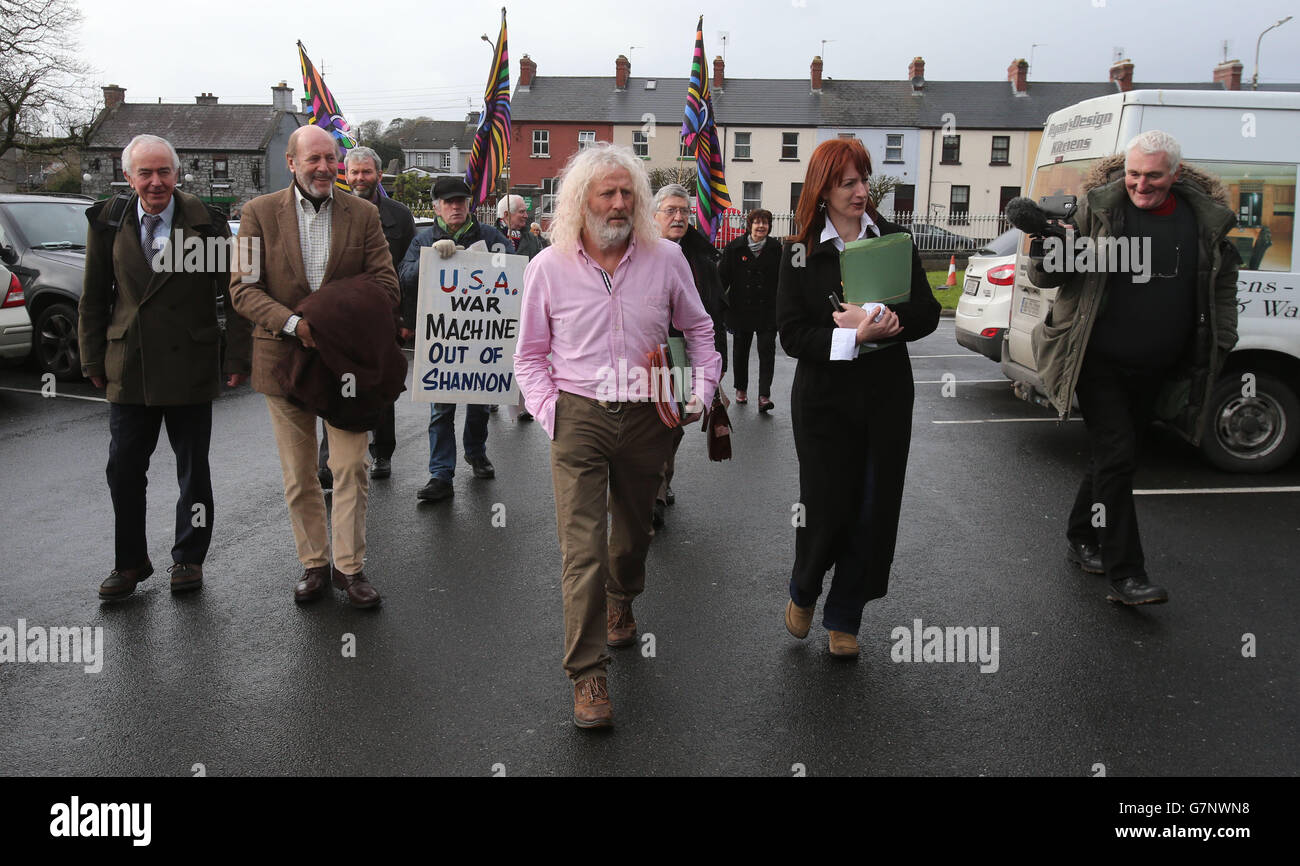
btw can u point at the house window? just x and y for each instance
(1001, 150)
(446, 161)
(951, 149)
(541, 142)
(796, 190)
(846, 136)
(753, 197)
(742, 146)
(789, 145)
(1006, 194)
(641, 145)
(586, 138)
(904, 199)
(549, 191)
(220, 168)
(419, 159)
(894, 148)
(117, 167)
(959, 206)
(257, 175)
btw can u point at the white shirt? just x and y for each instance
(844, 341)
(313, 241)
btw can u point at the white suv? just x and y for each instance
(984, 311)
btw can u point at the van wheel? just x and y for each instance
(1259, 433)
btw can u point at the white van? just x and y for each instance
(1251, 141)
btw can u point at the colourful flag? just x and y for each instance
(700, 134)
(325, 114)
(492, 141)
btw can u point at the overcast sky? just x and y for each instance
(403, 59)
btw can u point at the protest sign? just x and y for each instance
(466, 327)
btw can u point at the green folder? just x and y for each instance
(877, 270)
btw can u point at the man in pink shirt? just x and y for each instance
(598, 301)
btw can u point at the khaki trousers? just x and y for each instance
(295, 436)
(604, 458)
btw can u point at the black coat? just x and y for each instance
(702, 256)
(408, 270)
(749, 284)
(846, 412)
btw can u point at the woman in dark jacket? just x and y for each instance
(748, 271)
(852, 418)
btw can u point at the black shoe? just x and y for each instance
(669, 496)
(482, 467)
(326, 480)
(381, 468)
(1136, 590)
(525, 416)
(436, 490)
(657, 516)
(1086, 556)
(765, 405)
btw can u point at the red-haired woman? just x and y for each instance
(851, 409)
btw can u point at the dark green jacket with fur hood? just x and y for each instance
(1059, 342)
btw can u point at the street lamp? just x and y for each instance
(1254, 82)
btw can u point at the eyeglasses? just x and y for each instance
(675, 211)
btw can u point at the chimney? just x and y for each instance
(306, 104)
(472, 119)
(282, 97)
(1017, 74)
(205, 99)
(527, 72)
(1121, 72)
(816, 74)
(1229, 72)
(113, 95)
(718, 66)
(916, 74)
(622, 69)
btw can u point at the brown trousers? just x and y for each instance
(604, 459)
(295, 436)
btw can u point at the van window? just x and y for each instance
(1263, 197)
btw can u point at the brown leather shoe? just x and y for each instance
(312, 584)
(360, 592)
(591, 706)
(121, 582)
(798, 619)
(619, 623)
(186, 577)
(844, 645)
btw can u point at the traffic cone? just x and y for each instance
(952, 272)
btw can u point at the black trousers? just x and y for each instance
(766, 360)
(134, 436)
(1118, 405)
(382, 444)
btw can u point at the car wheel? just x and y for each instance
(55, 342)
(1256, 433)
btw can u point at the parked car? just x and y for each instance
(932, 239)
(43, 241)
(984, 310)
(15, 324)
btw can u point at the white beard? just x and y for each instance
(607, 235)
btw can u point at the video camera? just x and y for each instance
(1038, 220)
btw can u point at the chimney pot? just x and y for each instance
(1018, 75)
(816, 69)
(1229, 72)
(113, 95)
(719, 67)
(622, 70)
(527, 71)
(205, 99)
(1121, 72)
(282, 97)
(916, 74)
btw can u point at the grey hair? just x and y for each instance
(506, 203)
(362, 152)
(584, 168)
(145, 138)
(1155, 141)
(671, 190)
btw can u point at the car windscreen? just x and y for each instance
(1003, 245)
(50, 224)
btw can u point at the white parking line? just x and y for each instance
(962, 355)
(998, 420)
(959, 381)
(1173, 492)
(55, 394)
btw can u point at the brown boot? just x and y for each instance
(619, 623)
(798, 619)
(360, 592)
(186, 577)
(844, 645)
(591, 706)
(312, 584)
(121, 582)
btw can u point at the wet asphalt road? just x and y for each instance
(459, 671)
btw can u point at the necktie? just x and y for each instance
(147, 231)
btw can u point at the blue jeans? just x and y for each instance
(442, 437)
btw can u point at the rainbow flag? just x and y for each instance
(700, 134)
(492, 141)
(325, 114)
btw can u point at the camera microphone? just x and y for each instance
(1025, 214)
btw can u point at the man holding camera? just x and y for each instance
(1138, 343)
